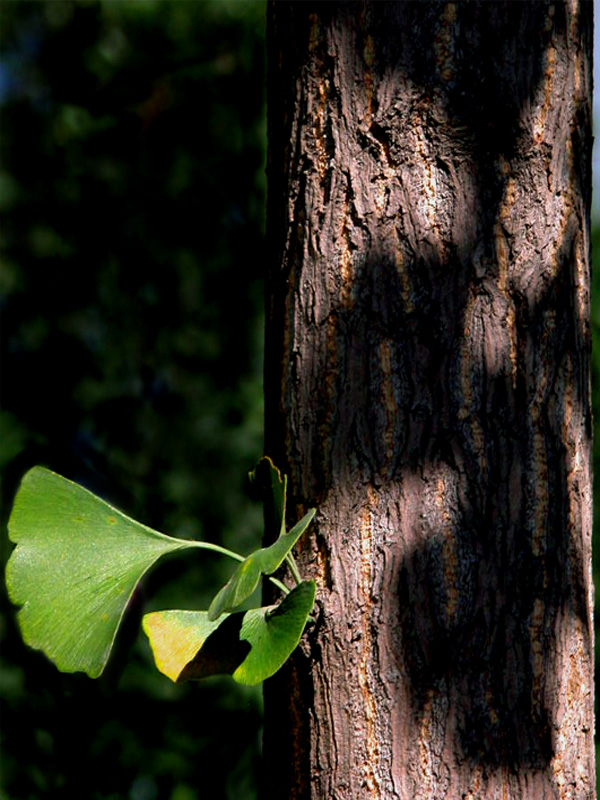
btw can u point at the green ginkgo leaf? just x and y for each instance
(274, 489)
(265, 561)
(75, 566)
(248, 645)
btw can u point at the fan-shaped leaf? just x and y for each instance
(75, 566)
(262, 562)
(249, 645)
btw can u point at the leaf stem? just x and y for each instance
(291, 562)
(281, 586)
(216, 548)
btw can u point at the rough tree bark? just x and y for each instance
(427, 387)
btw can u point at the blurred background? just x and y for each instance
(132, 196)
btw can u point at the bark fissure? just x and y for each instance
(427, 386)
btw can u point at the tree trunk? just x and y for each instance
(427, 387)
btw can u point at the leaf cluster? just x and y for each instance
(78, 561)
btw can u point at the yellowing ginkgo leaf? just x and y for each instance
(251, 646)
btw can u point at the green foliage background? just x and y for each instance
(132, 194)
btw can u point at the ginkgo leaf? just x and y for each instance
(277, 486)
(248, 645)
(75, 566)
(271, 487)
(265, 561)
